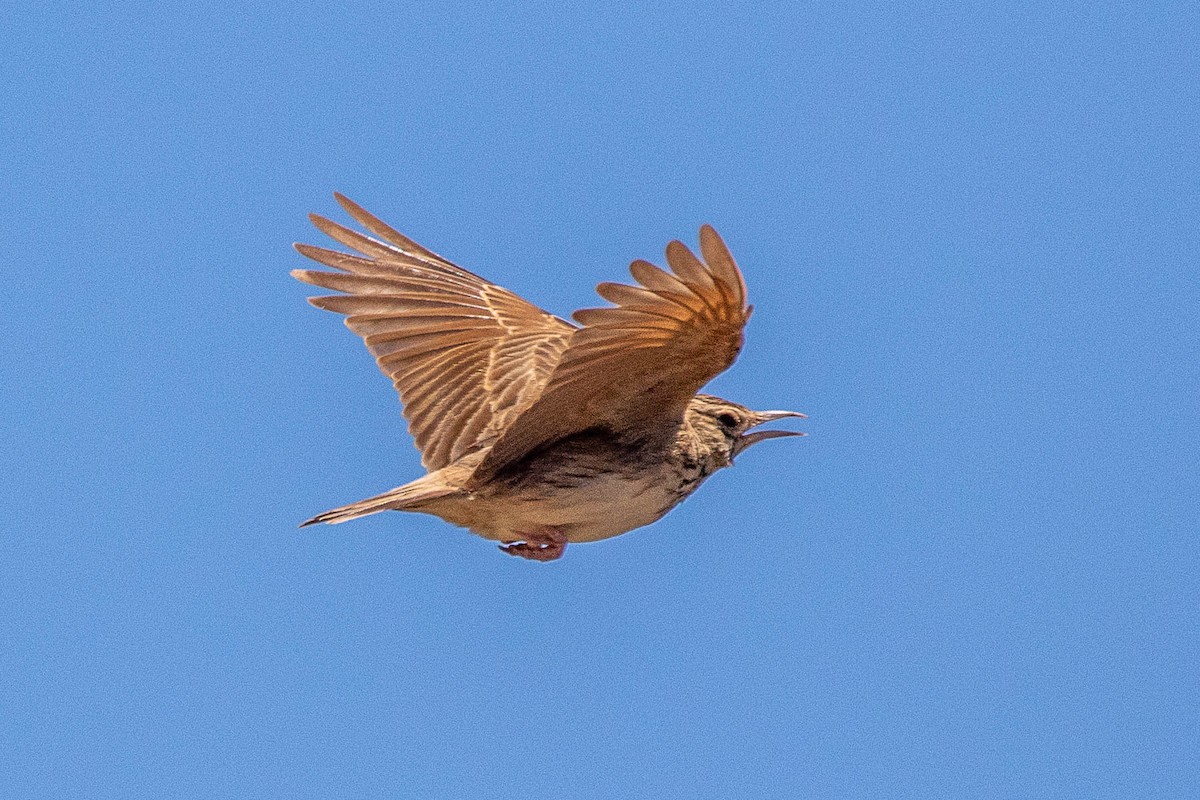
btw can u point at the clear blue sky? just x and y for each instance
(971, 234)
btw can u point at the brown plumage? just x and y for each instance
(537, 432)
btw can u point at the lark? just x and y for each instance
(536, 432)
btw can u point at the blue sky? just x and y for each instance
(970, 231)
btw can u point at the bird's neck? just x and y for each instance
(700, 450)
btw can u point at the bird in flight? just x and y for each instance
(536, 432)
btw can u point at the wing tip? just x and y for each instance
(309, 276)
(331, 228)
(322, 301)
(351, 207)
(722, 263)
(308, 250)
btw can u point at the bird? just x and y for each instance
(537, 432)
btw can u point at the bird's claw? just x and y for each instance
(544, 545)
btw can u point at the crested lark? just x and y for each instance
(537, 432)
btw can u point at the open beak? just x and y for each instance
(761, 418)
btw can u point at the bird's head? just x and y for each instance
(725, 425)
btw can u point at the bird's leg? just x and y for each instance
(542, 544)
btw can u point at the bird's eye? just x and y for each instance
(727, 420)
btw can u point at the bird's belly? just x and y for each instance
(601, 508)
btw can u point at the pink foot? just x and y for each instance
(544, 544)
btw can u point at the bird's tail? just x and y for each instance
(402, 497)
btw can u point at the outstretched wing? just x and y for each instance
(635, 367)
(466, 355)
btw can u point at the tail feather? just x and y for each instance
(398, 499)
